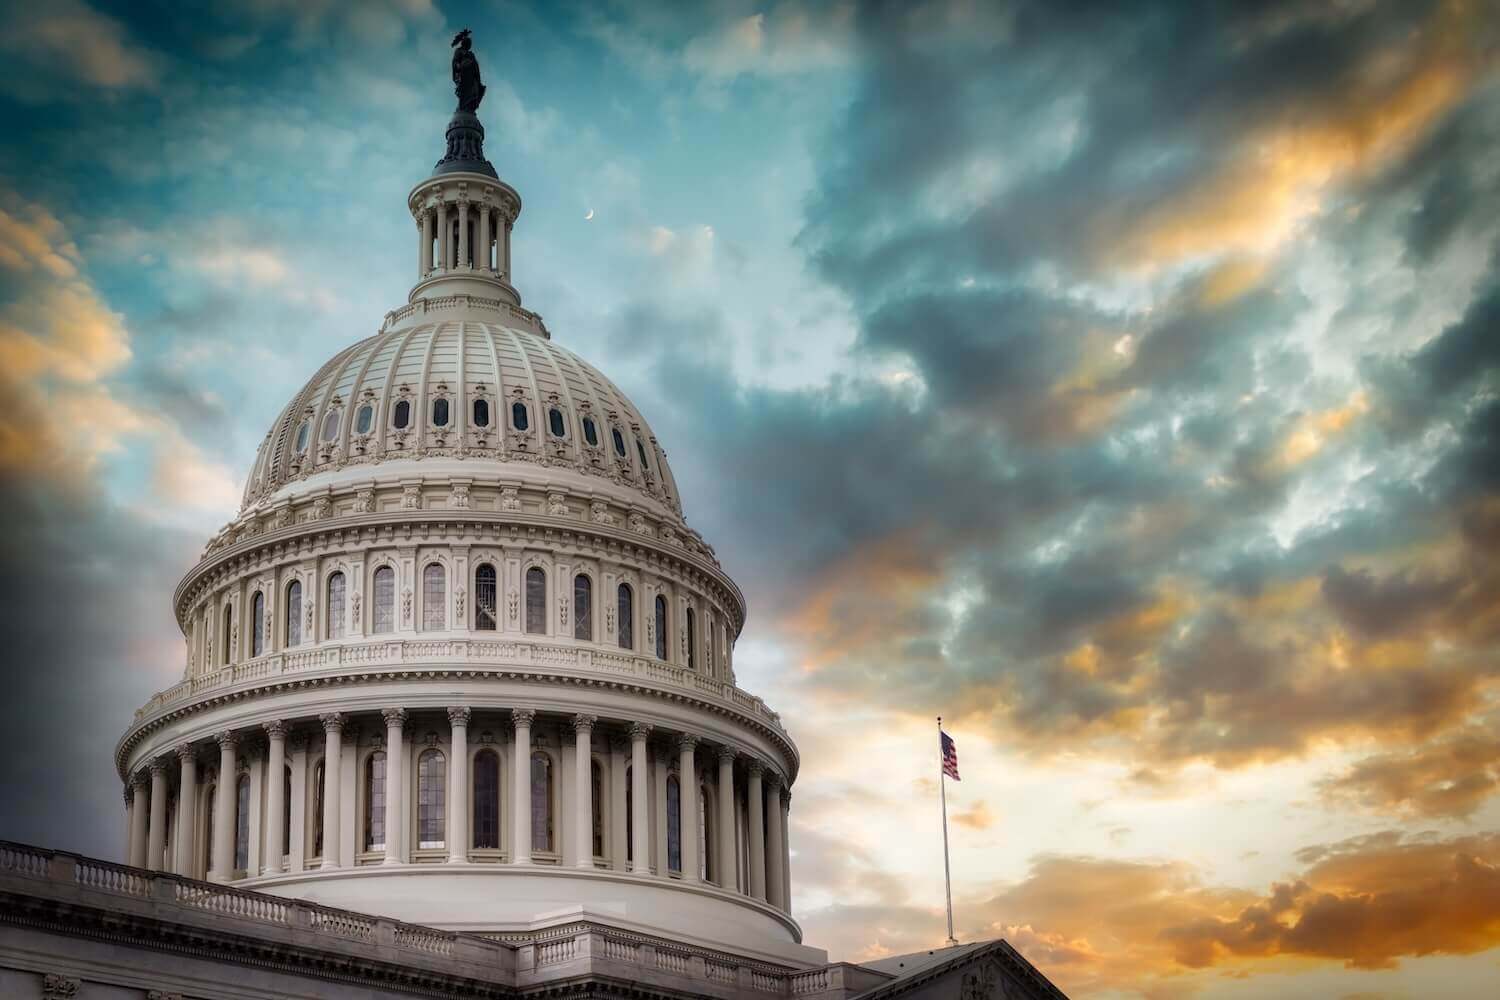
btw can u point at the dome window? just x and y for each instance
(481, 413)
(518, 416)
(330, 425)
(302, 435)
(590, 432)
(555, 422)
(440, 413)
(641, 450)
(619, 441)
(363, 419)
(403, 415)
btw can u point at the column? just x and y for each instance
(395, 786)
(687, 804)
(521, 807)
(728, 857)
(757, 824)
(444, 248)
(775, 880)
(156, 834)
(140, 812)
(276, 804)
(426, 242)
(660, 853)
(508, 277)
(458, 787)
(296, 808)
(463, 235)
(641, 863)
(483, 250)
(187, 801)
(619, 834)
(583, 788)
(333, 754)
(129, 822)
(223, 818)
(786, 850)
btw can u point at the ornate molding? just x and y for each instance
(584, 723)
(640, 730)
(522, 716)
(333, 722)
(394, 717)
(276, 729)
(458, 715)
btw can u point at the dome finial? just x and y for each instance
(465, 152)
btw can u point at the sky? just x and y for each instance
(1119, 381)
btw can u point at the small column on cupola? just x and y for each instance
(464, 212)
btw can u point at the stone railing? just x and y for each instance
(439, 303)
(511, 959)
(471, 654)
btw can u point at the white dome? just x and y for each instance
(430, 387)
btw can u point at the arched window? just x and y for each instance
(706, 867)
(294, 613)
(374, 796)
(258, 624)
(286, 810)
(536, 600)
(363, 419)
(661, 627)
(302, 435)
(674, 824)
(228, 634)
(440, 413)
(434, 598)
(541, 802)
(431, 773)
(625, 611)
(484, 598)
(487, 800)
(242, 823)
(614, 432)
(555, 423)
(330, 424)
(583, 607)
(403, 415)
(641, 450)
(590, 432)
(385, 600)
(481, 413)
(518, 416)
(692, 639)
(336, 606)
(596, 794)
(317, 807)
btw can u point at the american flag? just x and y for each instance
(950, 756)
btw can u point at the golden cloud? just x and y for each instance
(1449, 777)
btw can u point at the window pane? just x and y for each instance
(481, 413)
(434, 595)
(258, 635)
(208, 808)
(583, 607)
(518, 416)
(692, 639)
(487, 799)
(302, 435)
(661, 627)
(330, 425)
(619, 441)
(318, 810)
(541, 802)
(705, 834)
(362, 421)
(641, 450)
(590, 432)
(630, 814)
(403, 414)
(375, 802)
(286, 812)
(674, 824)
(484, 598)
(294, 614)
(440, 413)
(385, 599)
(626, 614)
(536, 600)
(555, 420)
(431, 774)
(228, 633)
(336, 606)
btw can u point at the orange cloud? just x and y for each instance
(1450, 777)
(976, 817)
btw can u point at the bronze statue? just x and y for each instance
(466, 82)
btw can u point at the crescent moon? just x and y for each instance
(586, 218)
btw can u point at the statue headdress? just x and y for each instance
(459, 38)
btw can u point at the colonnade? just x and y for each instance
(360, 792)
(464, 234)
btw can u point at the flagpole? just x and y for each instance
(943, 794)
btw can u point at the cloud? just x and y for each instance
(976, 817)
(70, 51)
(791, 39)
(1450, 777)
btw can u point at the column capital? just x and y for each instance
(394, 716)
(159, 765)
(727, 754)
(276, 729)
(772, 778)
(687, 743)
(458, 715)
(755, 768)
(584, 723)
(522, 716)
(226, 740)
(333, 722)
(187, 752)
(129, 794)
(141, 777)
(640, 730)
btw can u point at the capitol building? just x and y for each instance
(459, 714)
